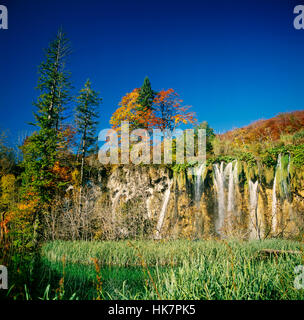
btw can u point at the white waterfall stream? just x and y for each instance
(199, 183)
(281, 182)
(274, 196)
(288, 174)
(163, 211)
(285, 180)
(231, 194)
(222, 174)
(219, 179)
(253, 201)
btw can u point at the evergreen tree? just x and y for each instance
(86, 120)
(7, 158)
(146, 96)
(210, 135)
(40, 151)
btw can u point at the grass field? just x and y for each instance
(167, 270)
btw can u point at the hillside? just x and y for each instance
(271, 129)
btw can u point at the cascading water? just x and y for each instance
(221, 174)
(290, 207)
(253, 201)
(274, 196)
(288, 171)
(163, 211)
(219, 180)
(274, 205)
(199, 182)
(281, 183)
(285, 180)
(231, 194)
(232, 182)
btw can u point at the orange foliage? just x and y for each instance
(23, 211)
(61, 172)
(28, 206)
(167, 112)
(67, 133)
(129, 111)
(267, 130)
(4, 225)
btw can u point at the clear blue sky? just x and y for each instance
(233, 61)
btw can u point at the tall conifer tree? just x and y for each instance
(146, 96)
(40, 151)
(86, 120)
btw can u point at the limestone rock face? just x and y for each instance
(133, 182)
(233, 200)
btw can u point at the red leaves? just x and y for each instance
(167, 112)
(270, 129)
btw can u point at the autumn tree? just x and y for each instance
(7, 200)
(167, 111)
(170, 112)
(86, 119)
(130, 110)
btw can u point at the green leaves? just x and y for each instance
(86, 120)
(146, 96)
(40, 151)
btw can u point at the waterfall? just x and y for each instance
(288, 175)
(231, 196)
(285, 181)
(235, 173)
(253, 201)
(219, 180)
(232, 182)
(274, 205)
(274, 196)
(290, 210)
(163, 211)
(221, 175)
(281, 184)
(199, 182)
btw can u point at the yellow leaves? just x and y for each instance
(7, 181)
(23, 206)
(75, 175)
(167, 110)
(127, 110)
(19, 217)
(62, 172)
(28, 206)
(8, 189)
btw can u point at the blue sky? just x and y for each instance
(233, 61)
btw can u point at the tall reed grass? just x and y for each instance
(173, 269)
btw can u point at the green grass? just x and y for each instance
(172, 270)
